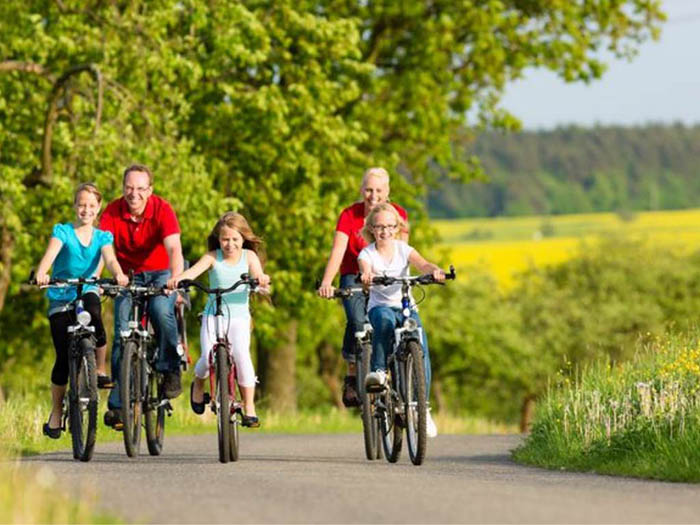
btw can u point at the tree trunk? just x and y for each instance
(527, 411)
(279, 368)
(7, 244)
(330, 364)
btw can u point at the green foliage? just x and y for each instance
(577, 170)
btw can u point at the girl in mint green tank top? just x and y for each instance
(233, 250)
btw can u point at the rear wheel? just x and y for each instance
(223, 404)
(154, 415)
(391, 431)
(82, 401)
(131, 398)
(370, 424)
(415, 402)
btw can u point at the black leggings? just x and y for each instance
(59, 332)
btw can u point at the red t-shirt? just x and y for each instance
(351, 222)
(139, 245)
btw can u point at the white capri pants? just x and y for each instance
(239, 339)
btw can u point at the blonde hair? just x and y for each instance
(367, 231)
(239, 223)
(378, 172)
(90, 188)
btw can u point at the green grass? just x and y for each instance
(641, 418)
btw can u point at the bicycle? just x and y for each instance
(80, 405)
(141, 384)
(222, 374)
(403, 403)
(363, 354)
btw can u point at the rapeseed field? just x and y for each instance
(507, 245)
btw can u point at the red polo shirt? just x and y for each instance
(351, 222)
(139, 245)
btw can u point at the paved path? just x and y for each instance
(325, 479)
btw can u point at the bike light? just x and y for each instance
(410, 324)
(84, 317)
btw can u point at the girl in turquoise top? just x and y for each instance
(233, 250)
(75, 250)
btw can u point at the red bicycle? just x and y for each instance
(222, 374)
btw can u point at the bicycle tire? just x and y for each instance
(223, 404)
(154, 415)
(415, 402)
(83, 400)
(370, 424)
(391, 431)
(131, 398)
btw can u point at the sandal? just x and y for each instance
(250, 421)
(104, 381)
(53, 433)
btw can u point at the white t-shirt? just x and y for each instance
(397, 267)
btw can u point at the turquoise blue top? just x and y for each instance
(223, 275)
(75, 260)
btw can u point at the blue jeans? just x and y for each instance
(355, 312)
(161, 311)
(384, 320)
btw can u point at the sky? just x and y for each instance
(661, 84)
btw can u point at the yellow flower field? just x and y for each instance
(507, 245)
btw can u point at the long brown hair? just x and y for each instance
(238, 222)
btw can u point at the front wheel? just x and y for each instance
(131, 397)
(370, 423)
(390, 428)
(223, 403)
(415, 402)
(155, 415)
(82, 400)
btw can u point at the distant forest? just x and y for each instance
(575, 170)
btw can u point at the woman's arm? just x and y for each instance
(202, 265)
(256, 270)
(42, 271)
(110, 260)
(340, 244)
(423, 266)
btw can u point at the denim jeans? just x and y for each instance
(355, 312)
(161, 311)
(384, 320)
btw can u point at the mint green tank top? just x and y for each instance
(223, 275)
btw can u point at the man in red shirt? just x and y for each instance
(147, 241)
(347, 244)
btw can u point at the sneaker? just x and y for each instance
(375, 381)
(431, 428)
(172, 385)
(113, 418)
(350, 396)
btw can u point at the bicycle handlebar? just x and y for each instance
(245, 279)
(385, 280)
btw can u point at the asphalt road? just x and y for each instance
(325, 479)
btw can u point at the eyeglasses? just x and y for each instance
(130, 189)
(383, 227)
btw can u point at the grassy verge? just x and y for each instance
(641, 418)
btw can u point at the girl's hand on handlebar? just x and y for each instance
(439, 275)
(42, 279)
(172, 283)
(366, 278)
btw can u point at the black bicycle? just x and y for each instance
(222, 373)
(363, 354)
(141, 384)
(80, 405)
(403, 402)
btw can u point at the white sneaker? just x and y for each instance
(430, 427)
(375, 381)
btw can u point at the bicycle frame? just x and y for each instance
(222, 344)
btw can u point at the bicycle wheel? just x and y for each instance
(223, 404)
(415, 402)
(390, 429)
(370, 424)
(131, 398)
(154, 415)
(82, 400)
